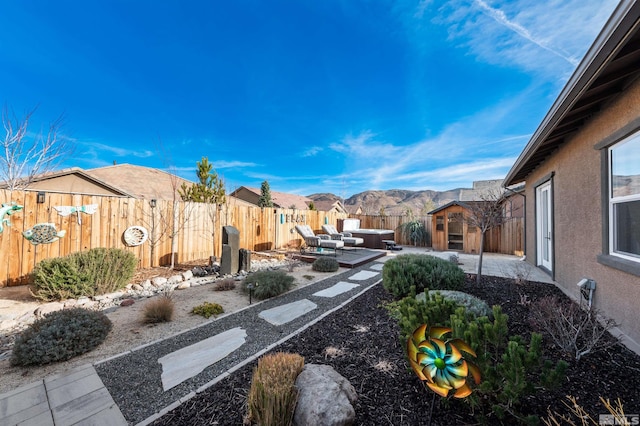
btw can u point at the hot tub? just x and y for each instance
(372, 237)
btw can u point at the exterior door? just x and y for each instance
(544, 226)
(455, 235)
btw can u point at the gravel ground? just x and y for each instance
(361, 342)
(134, 379)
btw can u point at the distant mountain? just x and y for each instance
(395, 201)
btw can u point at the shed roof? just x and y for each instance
(612, 61)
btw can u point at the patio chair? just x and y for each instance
(346, 237)
(317, 242)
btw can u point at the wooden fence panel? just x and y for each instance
(197, 229)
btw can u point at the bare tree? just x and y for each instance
(485, 215)
(26, 155)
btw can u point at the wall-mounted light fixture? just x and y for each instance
(40, 199)
(281, 218)
(153, 203)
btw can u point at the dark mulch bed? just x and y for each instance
(372, 359)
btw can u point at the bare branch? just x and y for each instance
(26, 156)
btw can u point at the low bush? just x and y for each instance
(59, 336)
(575, 331)
(268, 284)
(208, 309)
(59, 279)
(325, 264)
(473, 305)
(413, 273)
(225, 285)
(272, 397)
(88, 273)
(159, 309)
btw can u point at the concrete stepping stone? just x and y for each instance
(336, 289)
(363, 275)
(377, 266)
(190, 361)
(285, 313)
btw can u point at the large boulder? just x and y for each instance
(325, 397)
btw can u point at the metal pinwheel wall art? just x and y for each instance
(443, 365)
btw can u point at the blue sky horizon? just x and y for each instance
(336, 96)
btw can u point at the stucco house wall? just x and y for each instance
(575, 170)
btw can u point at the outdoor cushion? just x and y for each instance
(322, 240)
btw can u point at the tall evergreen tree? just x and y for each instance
(265, 195)
(210, 187)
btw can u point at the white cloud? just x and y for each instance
(547, 38)
(99, 148)
(232, 164)
(312, 151)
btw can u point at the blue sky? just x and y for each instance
(313, 96)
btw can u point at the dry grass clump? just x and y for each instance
(225, 285)
(273, 396)
(158, 310)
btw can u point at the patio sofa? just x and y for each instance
(372, 237)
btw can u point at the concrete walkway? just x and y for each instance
(79, 397)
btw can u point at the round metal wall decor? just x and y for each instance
(135, 235)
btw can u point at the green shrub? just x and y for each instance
(508, 364)
(207, 309)
(273, 396)
(472, 304)
(88, 273)
(159, 309)
(411, 312)
(268, 284)
(59, 336)
(325, 264)
(108, 269)
(413, 273)
(59, 279)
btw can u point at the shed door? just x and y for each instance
(544, 226)
(455, 235)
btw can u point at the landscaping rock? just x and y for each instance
(325, 397)
(127, 302)
(137, 287)
(183, 285)
(175, 279)
(47, 308)
(158, 282)
(187, 275)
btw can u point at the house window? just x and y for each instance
(439, 223)
(624, 198)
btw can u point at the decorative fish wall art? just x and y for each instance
(67, 210)
(7, 210)
(43, 233)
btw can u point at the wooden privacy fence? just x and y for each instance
(508, 238)
(196, 229)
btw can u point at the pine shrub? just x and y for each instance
(268, 284)
(208, 309)
(159, 309)
(401, 274)
(325, 264)
(60, 336)
(88, 273)
(272, 397)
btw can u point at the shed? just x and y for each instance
(451, 231)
